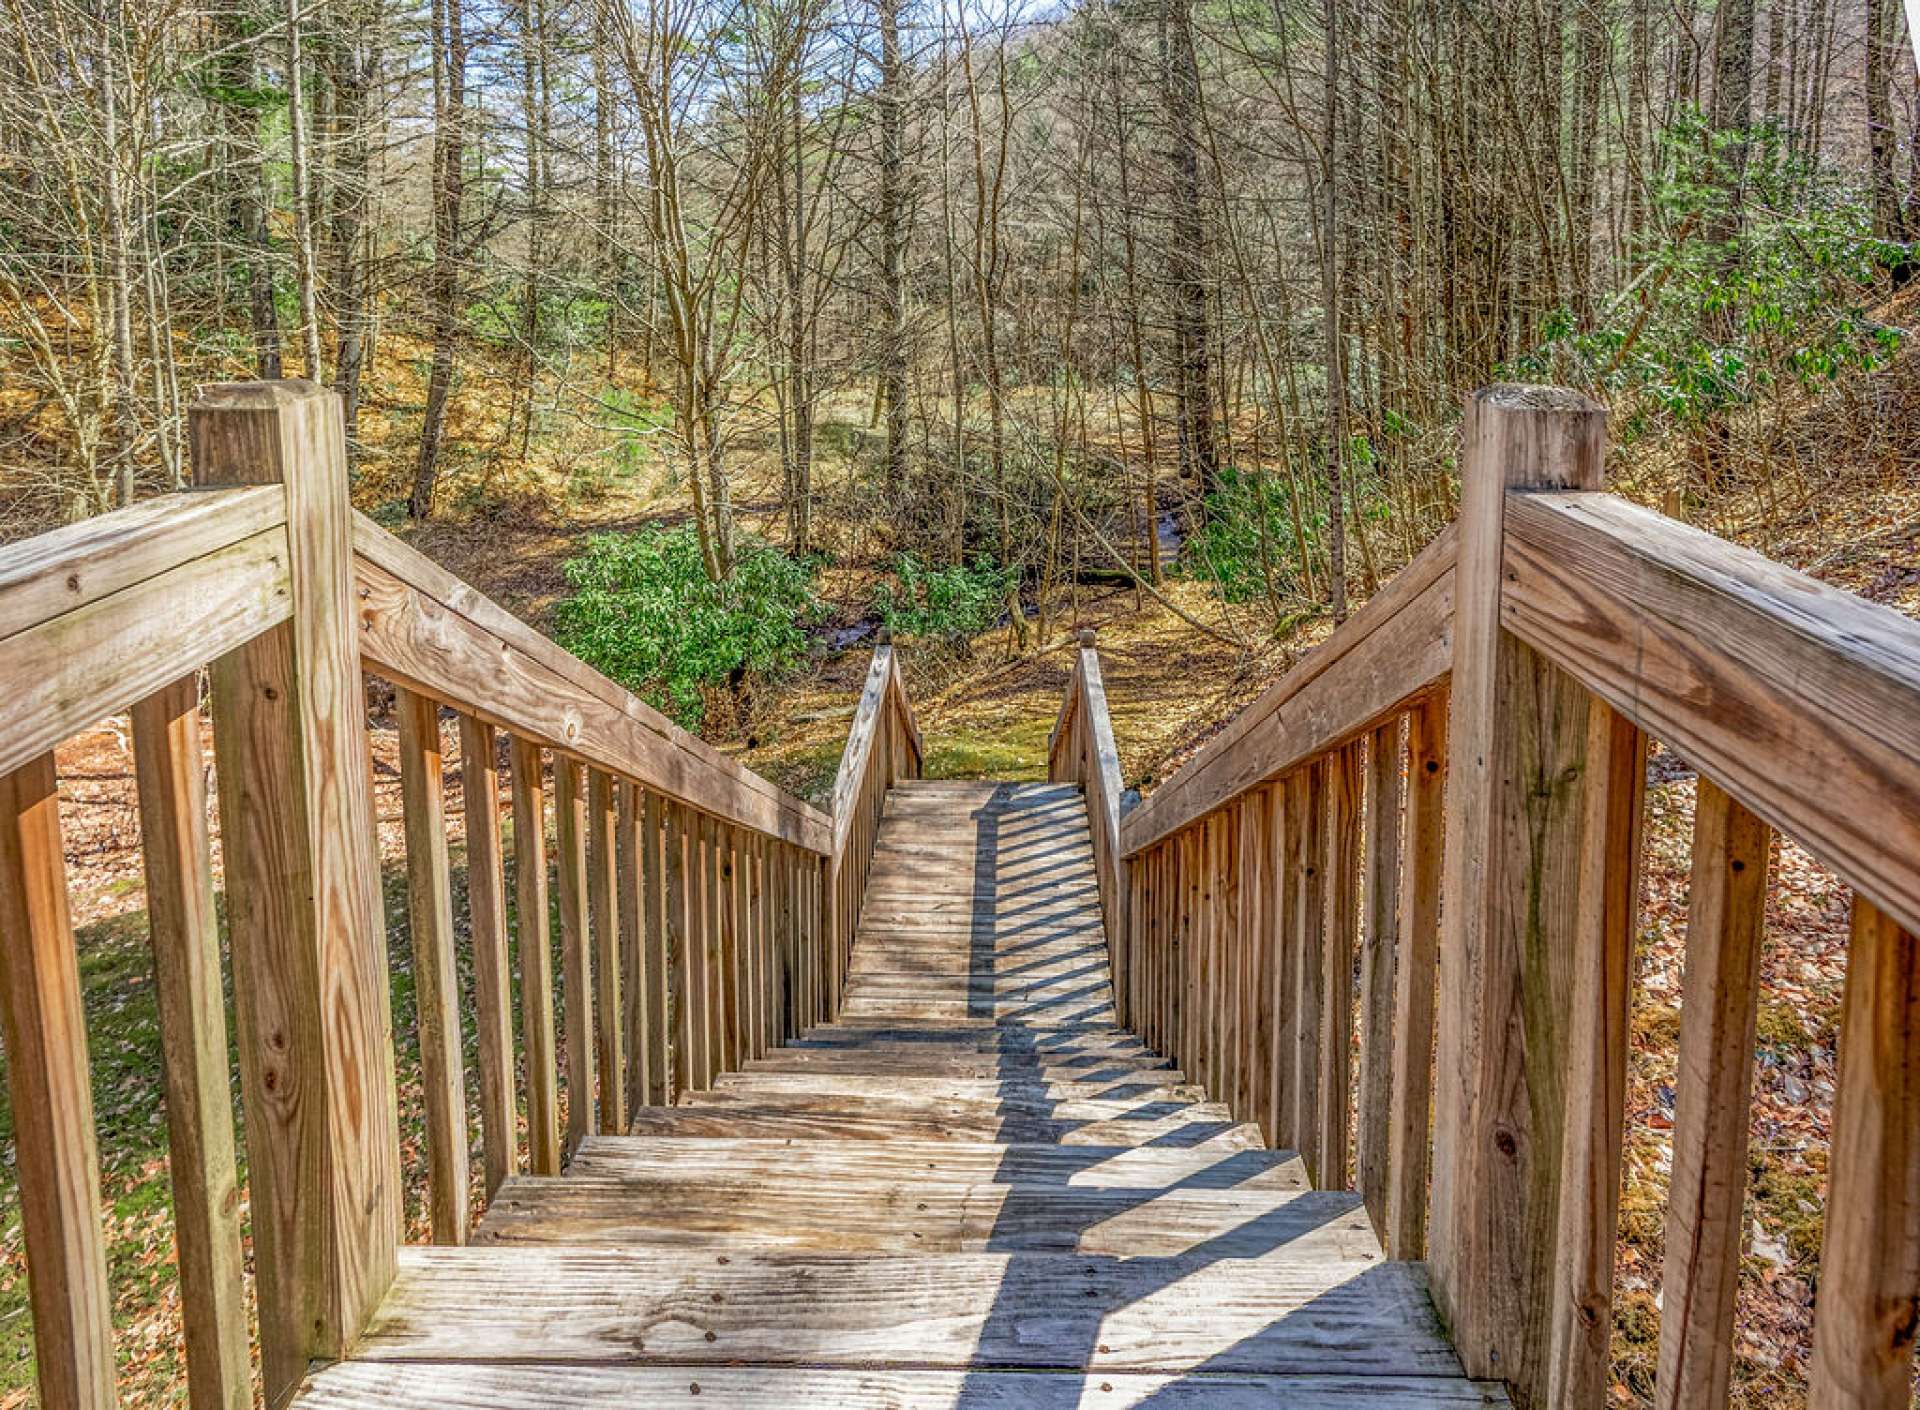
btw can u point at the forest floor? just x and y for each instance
(983, 714)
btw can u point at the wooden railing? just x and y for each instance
(697, 928)
(1081, 750)
(883, 747)
(1478, 733)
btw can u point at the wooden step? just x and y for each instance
(820, 1163)
(453, 1385)
(1087, 1067)
(1310, 1306)
(920, 1216)
(1002, 1092)
(801, 1119)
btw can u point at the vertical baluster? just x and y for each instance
(576, 961)
(59, 1169)
(1257, 1012)
(603, 907)
(634, 979)
(436, 986)
(531, 923)
(492, 965)
(1713, 1106)
(1863, 1322)
(1280, 976)
(1291, 863)
(1309, 988)
(1341, 935)
(1192, 1010)
(1408, 1158)
(710, 967)
(193, 1042)
(1582, 1316)
(659, 1090)
(733, 942)
(1224, 840)
(1380, 946)
(683, 916)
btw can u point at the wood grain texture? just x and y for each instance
(52, 1099)
(629, 847)
(72, 670)
(1513, 808)
(309, 947)
(492, 961)
(429, 630)
(1864, 1318)
(1410, 1141)
(621, 1306)
(1802, 700)
(1380, 950)
(1342, 936)
(453, 1386)
(1580, 1371)
(576, 958)
(185, 928)
(1713, 1104)
(65, 569)
(535, 950)
(436, 985)
(603, 906)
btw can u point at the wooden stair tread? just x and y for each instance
(452, 1385)
(971, 1188)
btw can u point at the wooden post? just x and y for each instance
(303, 892)
(52, 1099)
(629, 848)
(193, 1041)
(1514, 809)
(1864, 1322)
(1341, 935)
(653, 993)
(436, 985)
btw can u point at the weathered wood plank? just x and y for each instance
(603, 908)
(576, 955)
(1519, 729)
(1713, 1105)
(1580, 1371)
(1409, 1140)
(303, 893)
(457, 1386)
(1802, 700)
(617, 1306)
(185, 927)
(52, 1099)
(436, 987)
(1863, 1327)
(492, 962)
(1380, 950)
(536, 957)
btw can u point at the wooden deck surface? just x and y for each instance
(973, 1190)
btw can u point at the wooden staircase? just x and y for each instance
(973, 1189)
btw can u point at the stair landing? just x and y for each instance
(972, 1190)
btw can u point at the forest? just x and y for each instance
(715, 336)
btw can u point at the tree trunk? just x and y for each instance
(449, 45)
(1187, 252)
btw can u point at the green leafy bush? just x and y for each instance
(1246, 531)
(644, 611)
(947, 605)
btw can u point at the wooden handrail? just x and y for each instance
(1801, 700)
(1081, 750)
(101, 614)
(883, 746)
(426, 629)
(1374, 665)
